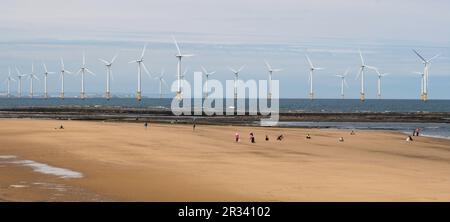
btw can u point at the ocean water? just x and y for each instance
(438, 130)
(286, 105)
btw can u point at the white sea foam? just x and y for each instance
(46, 169)
(6, 157)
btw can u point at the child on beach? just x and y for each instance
(252, 137)
(308, 136)
(236, 136)
(280, 137)
(267, 138)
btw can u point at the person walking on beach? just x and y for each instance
(193, 127)
(252, 137)
(236, 136)
(267, 138)
(145, 125)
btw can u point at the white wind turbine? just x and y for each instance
(422, 82)
(19, 77)
(379, 81)
(361, 75)
(236, 78)
(207, 74)
(179, 57)
(83, 71)
(46, 72)
(343, 82)
(108, 75)
(161, 82)
(8, 82)
(312, 68)
(63, 72)
(426, 72)
(271, 70)
(32, 76)
(141, 65)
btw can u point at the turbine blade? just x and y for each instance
(45, 67)
(146, 70)
(233, 70)
(422, 58)
(345, 83)
(132, 61)
(242, 67)
(176, 45)
(114, 58)
(309, 62)
(204, 70)
(90, 72)
(104, 61)
(143, 51)
(429, 60)
(361, 56)
(267, 65)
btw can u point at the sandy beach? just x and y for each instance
(171, 162)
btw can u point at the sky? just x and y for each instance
(231, 33)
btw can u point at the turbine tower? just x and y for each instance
(46, 72)
(426, 72)
(141, 65)
(32, 76)
(108, 75)
(422, 83)
(19, 88)
(179, 57)
(207, 74)
(271, 70)
(361, 75)
(236, 78)
(83, 71)
(161, 82)
(343, 82)
(379, 81)
(63, 72)
(312, 68)
(8, 82)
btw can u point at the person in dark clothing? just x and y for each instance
(145, 125)
(252, 138)
(280, 137)
(267, 138)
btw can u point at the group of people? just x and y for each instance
(416, 132)
(252, 139)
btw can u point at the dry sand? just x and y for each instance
(125, 162)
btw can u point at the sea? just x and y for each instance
(441, 130)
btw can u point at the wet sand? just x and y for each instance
(171, 162)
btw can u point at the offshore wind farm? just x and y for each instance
(224, 100)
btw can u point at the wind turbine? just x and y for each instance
(8, 82)
(312, 68)
(379, 81)
(63, 72)
(141, 65)
(161, 82)
(32, 76)
(236, 78)
(426, 72)
(343, 82)
(108, 75)
(179, 57)
(46, 72)
(361, 75)
(271, 70)
(83, 71)
(19, 77)
(207, 74)
(422, 82)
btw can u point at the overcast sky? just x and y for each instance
(233, 33)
